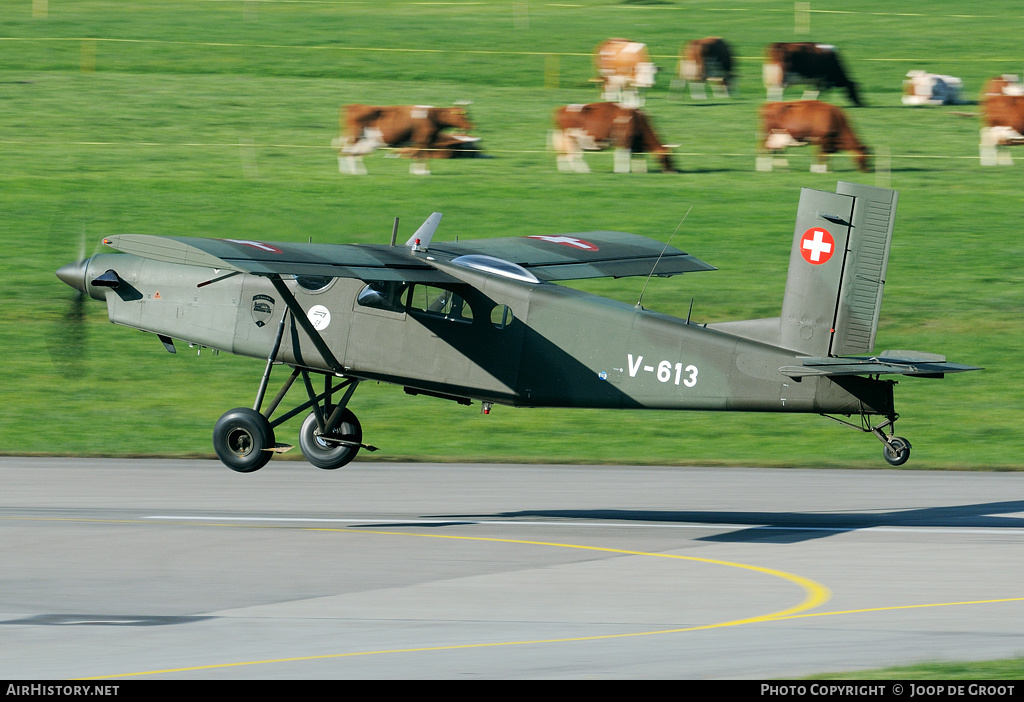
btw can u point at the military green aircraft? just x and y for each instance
(484, 320)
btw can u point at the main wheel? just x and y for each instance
(897, 451)
(325, 453)
(242, 438)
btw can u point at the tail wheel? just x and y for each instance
(896, 451)
(333, 450)
(242, 439)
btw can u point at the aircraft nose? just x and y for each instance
(74, 274)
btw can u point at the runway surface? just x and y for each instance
(184, 569)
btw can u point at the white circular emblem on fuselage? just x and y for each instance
(319, 316)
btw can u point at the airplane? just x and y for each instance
(486, 321)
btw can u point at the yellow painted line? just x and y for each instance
(816, 593)
(410, 50)
(752, 620)
(896, 607)
(241, 45)
(689, 10)
(324, 147)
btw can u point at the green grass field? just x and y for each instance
(1008, 669)
(215, 118)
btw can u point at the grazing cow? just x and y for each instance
(806, 63)
(417, 128)
(448, 146)
(1002, 126)
(923, 88)
(803, 122)
(1006, 84)
(601, 125)
(707, 60)
(623, 68)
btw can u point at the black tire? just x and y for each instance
(897, 451)
(241, 438)
(326, 454)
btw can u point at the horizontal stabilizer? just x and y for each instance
(915, 363)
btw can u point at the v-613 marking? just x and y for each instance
(664, 371)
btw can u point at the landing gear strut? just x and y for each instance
(330, 436)
(896, 449)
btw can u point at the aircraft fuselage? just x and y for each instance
(487, 338)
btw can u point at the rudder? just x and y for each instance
(837, 270)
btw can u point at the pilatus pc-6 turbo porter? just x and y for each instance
(485, 320)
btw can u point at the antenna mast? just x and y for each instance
(655, 266)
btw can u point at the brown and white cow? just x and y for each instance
(923, 88)
(802, 122)
(448, 146)
(805, 63)
(704, 61)
(415, 128)
(1002, 125)
(624, 67)
(1006, 84)
(602, 125)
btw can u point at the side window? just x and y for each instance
(501, 316)
(313, 283)
(439, 302)
(382, 296)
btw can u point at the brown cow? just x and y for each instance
(623, 68)
(416, 127)
(1002, 126)
(448, 146)
(601, 125)
(808, 122)
(707, 60)
(805, 63)
(924, 88)
(1006, 84)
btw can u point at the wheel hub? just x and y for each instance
(240, 442)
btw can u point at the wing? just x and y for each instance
(598, 254)
(365, 262)
(549, 258)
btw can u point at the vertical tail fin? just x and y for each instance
(837, 270)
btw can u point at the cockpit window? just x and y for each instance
(383, 295)
(439, 302)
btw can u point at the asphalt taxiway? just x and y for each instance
(161, 569)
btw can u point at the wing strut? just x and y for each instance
(299, 315)
(261, 393)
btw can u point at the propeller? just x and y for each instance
(68, 342)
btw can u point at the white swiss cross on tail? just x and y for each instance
(817, 246)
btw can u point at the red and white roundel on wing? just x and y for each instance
(567, 241)
(256, 245)
(817, 246)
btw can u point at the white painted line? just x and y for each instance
(455, 521)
